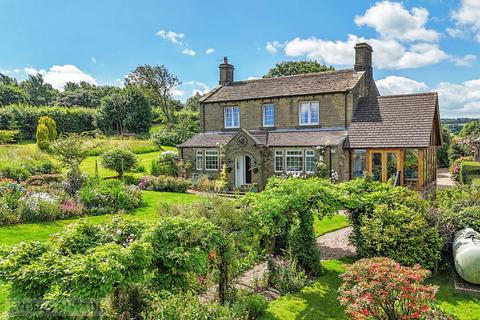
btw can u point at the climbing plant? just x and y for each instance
(285, 211)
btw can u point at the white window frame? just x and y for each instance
(199, 164)
(279, 154)
(212, 153)
(296, 156)
(309, 153)
(264, 108)
(231, 125)
(309, 119)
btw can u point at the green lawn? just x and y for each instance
(41, 231)
(144, 160)
(319, 300)
(329, 224)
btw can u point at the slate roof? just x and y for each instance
(208, 139)
(297, 138)
(393, 121)
(298, 85)
(306, 138)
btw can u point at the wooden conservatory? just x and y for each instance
(395, 138)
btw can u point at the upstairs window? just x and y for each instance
(232, 117)
(309, 113)
(211, 160)
(268, 115)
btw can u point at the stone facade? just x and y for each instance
(337, 93)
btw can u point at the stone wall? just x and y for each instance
(332, 112)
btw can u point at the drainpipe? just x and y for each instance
(346, 109)
(330, 161)
(203, 116)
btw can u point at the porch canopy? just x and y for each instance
(396, 137)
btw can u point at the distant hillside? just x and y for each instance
(457, 124)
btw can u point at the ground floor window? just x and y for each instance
(211, 160)
(309, 161)
(359, 162)
(294, 161)
(199, 160)
(278, 160)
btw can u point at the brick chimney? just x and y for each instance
(226, 72)
(363, 62)
(363, 57)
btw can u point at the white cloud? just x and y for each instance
(388, 53)
(392, 21)
(58, 76)
(465, 61)
(467, 20)
(189, 52)
(455, 99)
(273, 46)
(194, 87)
(253, 78)
(460, 99)
(404, 41)
(210, 50)
(400, 85)
(171, 36)
(178, 93)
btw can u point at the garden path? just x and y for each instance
(336, 244)
(332, 245)
(443, 179)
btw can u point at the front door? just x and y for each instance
(243, 172)
(384, 165)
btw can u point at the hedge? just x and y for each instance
(25, 118)
(469, 171)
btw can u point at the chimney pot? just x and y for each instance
(226, 72)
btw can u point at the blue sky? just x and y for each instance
(418, 45)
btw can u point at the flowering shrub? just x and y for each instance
(108, 196)
(39, 206)
(71, 208)
(455, 167)
(381, 288)
(164, 183)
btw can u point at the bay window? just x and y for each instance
(232, 117)
(199, 160)
(211, 160)
(294, 161)
(278, 160)
(309, 161)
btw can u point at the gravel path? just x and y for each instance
(336, 244)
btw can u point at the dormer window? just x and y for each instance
(232, 117)
(308, 113)
(268, 115)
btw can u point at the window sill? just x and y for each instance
(300, 126)
(230, 129)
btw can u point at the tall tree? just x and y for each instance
(12, 94)
(157, 83)
(4, 79)
(290, 68)
(125, 111)
(39, 92)
(193, 103)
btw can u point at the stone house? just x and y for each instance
(290, 125)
